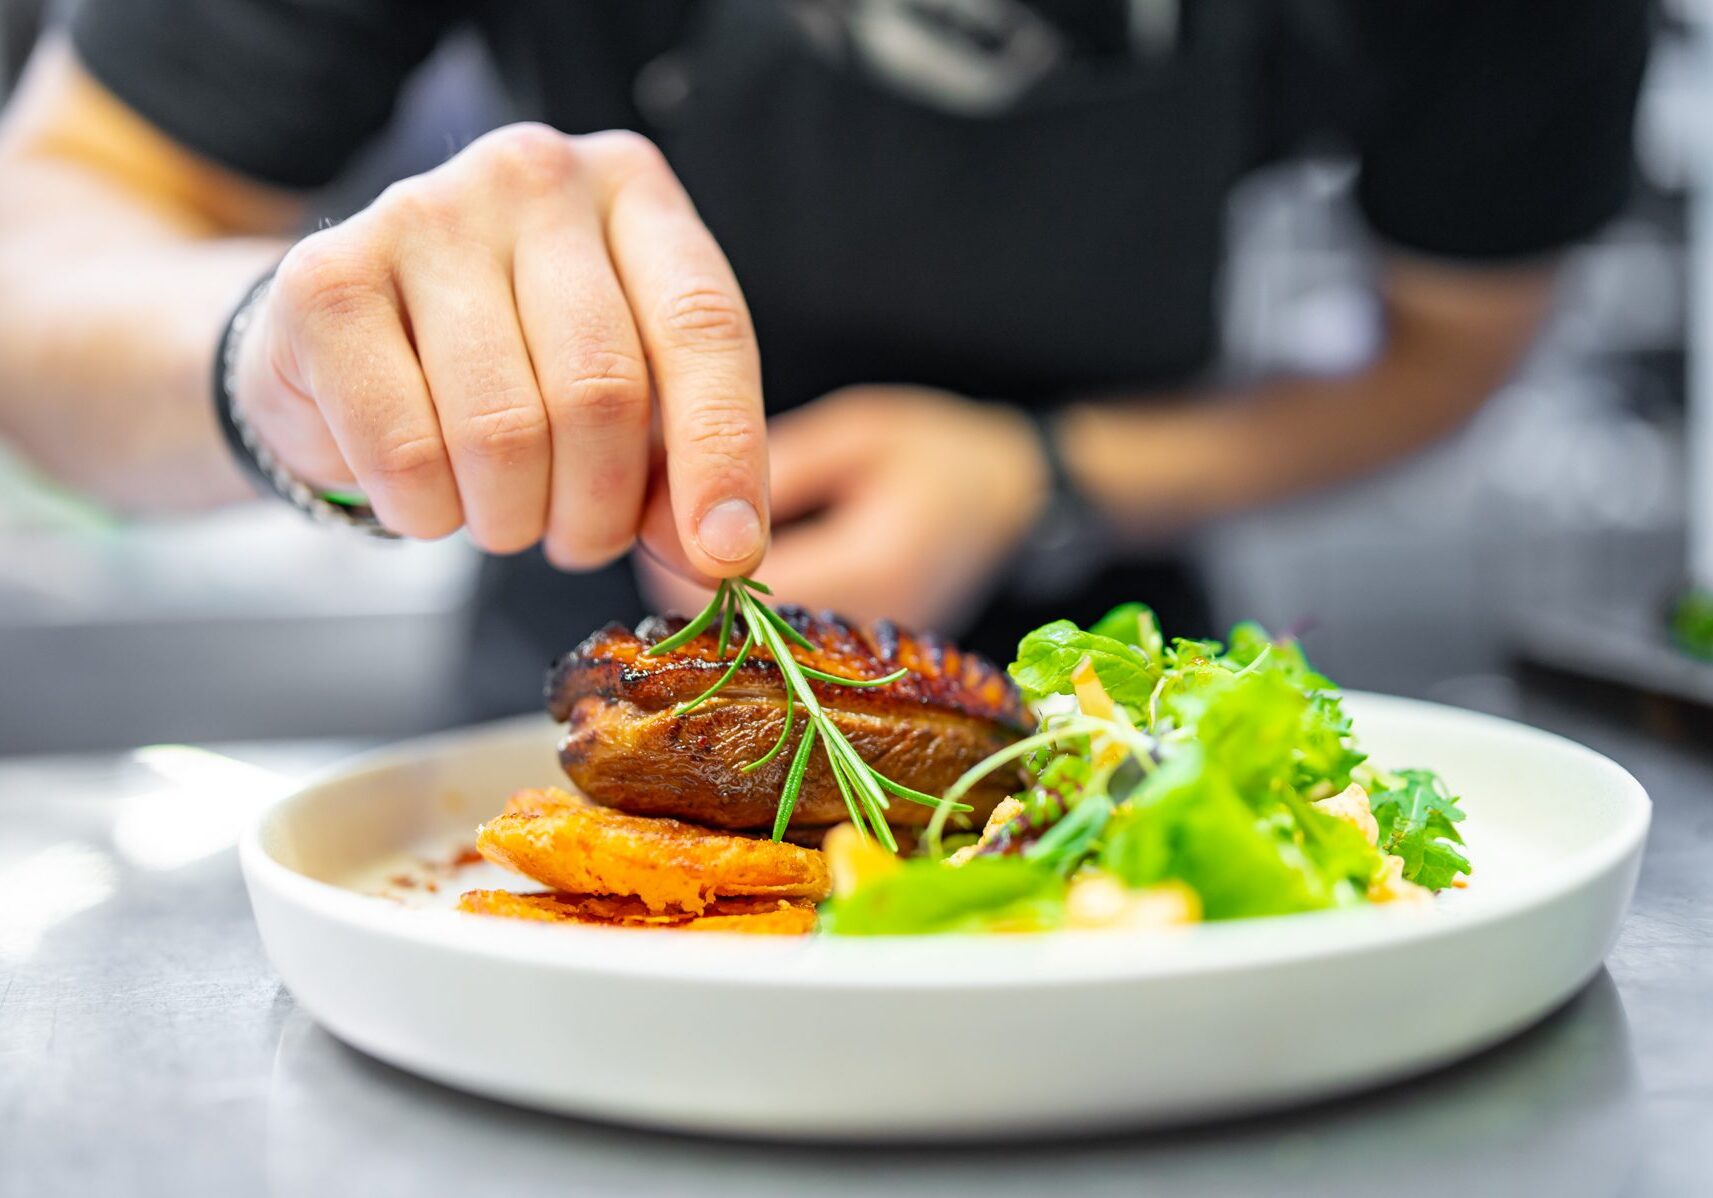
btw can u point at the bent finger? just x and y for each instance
(345, 346)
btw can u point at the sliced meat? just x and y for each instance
(627, 747)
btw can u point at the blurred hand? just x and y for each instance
(891, 501)
(486, 345)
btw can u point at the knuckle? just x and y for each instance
(503, 432)
(409, 463)
(723, 432)
(324, 276)
(705, 315)
(532, 155)
(606, 391)
(420, 203)
(629, 151)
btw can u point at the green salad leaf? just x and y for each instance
(1691, 623)
(1205, 776)
(1133, 624)
(983, 895)
(1066, 844)
(1222, 815)
(1048, 655)
(1418, 820)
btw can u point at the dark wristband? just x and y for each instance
(1071, 542)
(325, 507)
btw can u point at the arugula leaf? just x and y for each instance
(1418, 820)
(1326, 754)
(1047, 656)
(985, 894)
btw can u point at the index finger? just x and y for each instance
(696, 333)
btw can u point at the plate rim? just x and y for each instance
(943, 962)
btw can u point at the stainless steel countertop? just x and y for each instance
(146, 1047)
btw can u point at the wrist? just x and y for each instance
(1068, 540)
(1152, 470)
(237, 346)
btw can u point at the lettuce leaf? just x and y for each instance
(1191, 824)
(1325, 753)
(924, 897)
(1222, 813)
(1133, 624)
(1047, 657)
(1240, 739)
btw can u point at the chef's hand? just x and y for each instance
(486, 344)
(891, 501)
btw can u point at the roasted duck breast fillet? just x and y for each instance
(627, 747)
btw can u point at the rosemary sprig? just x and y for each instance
(865, 790)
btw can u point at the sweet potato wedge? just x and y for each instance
(665, 863)
(777, 917)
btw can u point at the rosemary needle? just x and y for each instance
(720, 682)
(794, 782)
(726, 617)
(784, 736)
(863, 788)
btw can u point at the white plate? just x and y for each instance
(912, 1038)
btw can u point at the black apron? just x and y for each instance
(1066, 247)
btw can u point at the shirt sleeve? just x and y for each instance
(284, 91)
(1501, 129)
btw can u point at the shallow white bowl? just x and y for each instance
(911, 1038)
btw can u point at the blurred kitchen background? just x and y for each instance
(1555, 527)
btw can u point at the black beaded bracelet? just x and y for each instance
(324, 507)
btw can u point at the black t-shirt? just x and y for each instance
(1021, 202)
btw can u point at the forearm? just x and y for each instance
(111, 317)
(1158, 466)
(120, 256)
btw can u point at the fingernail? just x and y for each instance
(730, 530)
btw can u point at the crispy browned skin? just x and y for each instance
(776, 917)
(666, 864)
(625, 746)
